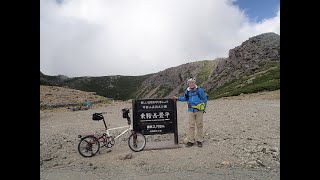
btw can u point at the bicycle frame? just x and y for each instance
(128, 128)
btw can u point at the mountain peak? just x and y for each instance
(250, 67)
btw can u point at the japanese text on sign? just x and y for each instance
(155, 115)
(155, 107)
(155, 102)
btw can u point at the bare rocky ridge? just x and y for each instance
(254, 55)
(242, 141)
(172, 81)
(250, 57)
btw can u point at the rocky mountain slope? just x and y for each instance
(173, 80)
(258, 54)
(253, 66)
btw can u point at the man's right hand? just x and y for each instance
(175, 97)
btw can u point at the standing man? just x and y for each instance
(197, 102)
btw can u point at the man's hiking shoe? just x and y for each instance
(199, 144)
(189, 144)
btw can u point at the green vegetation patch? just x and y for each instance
(267, 81)
(207, 70)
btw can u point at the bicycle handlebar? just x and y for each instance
(101, 113)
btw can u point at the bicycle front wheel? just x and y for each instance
(137, 142)
(88, 146)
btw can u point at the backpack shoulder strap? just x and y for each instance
(186, 94)
(198, 93)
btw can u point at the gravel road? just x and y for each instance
(242, 141)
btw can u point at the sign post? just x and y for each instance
(155, 116)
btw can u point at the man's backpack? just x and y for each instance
(199, 106)
(197, 91)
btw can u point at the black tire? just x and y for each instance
(88, 146)
(137, 144)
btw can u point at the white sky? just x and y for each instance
(138, 37)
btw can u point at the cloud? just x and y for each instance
(125, 37)
(267, 25)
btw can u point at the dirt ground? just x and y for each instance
(242, 141)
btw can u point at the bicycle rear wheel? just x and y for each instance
(137, 142)
(88, 146)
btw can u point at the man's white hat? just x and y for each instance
(191, 79)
